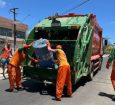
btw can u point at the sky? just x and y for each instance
(31, 12)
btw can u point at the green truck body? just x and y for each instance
(81, 39)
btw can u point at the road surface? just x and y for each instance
(96, 92)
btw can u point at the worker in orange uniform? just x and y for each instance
(14, 71)
(64, 73)
(110, 60)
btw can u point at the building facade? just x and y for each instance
(6, 32)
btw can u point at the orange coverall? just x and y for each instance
(110, 59)
(14, 71)
(113, 75)
(64, 74)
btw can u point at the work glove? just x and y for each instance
(27, 45)
(107, 65)
(56, 61)
(35, 60)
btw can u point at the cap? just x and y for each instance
(58, 47)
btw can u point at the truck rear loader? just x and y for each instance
(81, 39)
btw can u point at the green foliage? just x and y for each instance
(108, 49)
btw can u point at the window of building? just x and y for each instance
(8, 33)
(5, 32)
(20, 34)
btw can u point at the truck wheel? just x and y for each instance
(91, 72)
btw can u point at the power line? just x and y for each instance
(78, 5)
(25, 17)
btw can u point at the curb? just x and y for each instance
(1, 76)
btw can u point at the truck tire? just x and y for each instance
(91, 72)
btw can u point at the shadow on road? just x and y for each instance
(106, 95)
(80, 83)
(32, 86)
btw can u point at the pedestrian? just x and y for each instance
(14, 71)
(6, 52)
(110, 60)
(64, 73)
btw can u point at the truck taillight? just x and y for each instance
(73, 27)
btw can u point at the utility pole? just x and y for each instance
(13, 10)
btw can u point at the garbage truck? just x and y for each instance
(81, 40)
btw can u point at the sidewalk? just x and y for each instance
(1, 75)
(105, 55)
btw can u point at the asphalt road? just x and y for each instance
(96, 92)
